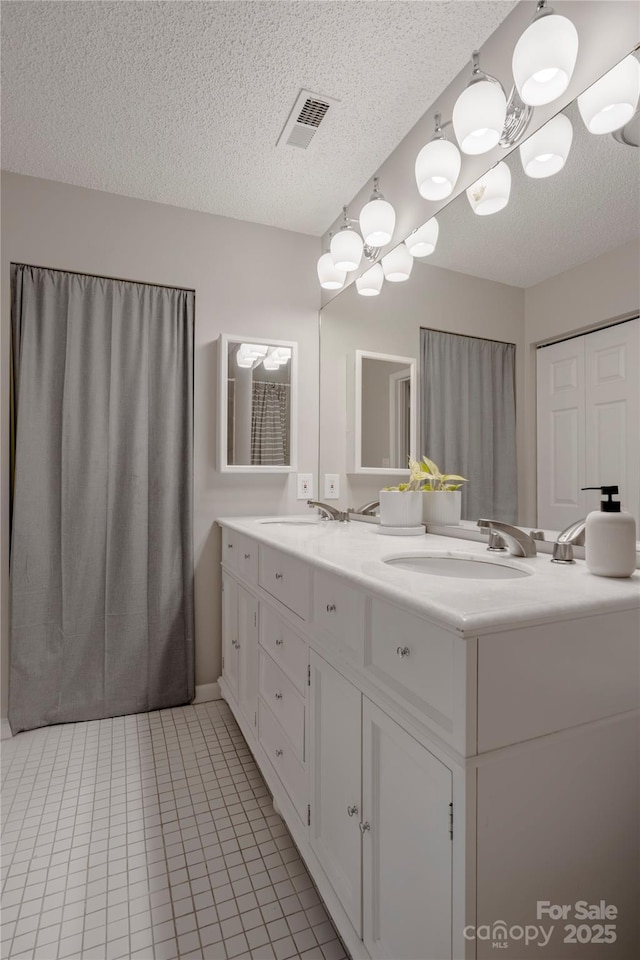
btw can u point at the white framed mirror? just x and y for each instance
(385, 431)
(257, 405)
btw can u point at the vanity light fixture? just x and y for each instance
(377, 219)
(422, 242)
(328, 274)
(397, 264)
(252, 351)
(480, 111)
(370, 283)
(437, 165)
(546, 151)
(270, 364)
(491, 192)
(545, 56)
(612, 100)
(281, 355)
(346, 246)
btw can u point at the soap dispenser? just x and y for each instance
(610, 538)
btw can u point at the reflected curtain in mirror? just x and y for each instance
(102, 556)
(269, 424)
(468, 417)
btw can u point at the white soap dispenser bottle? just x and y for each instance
(610, 538)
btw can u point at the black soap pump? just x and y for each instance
(610, 538)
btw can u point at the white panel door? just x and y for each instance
(248, 655)
(612, 376)
(561, 422)
(407, 847)
(335, 755)
(230, 632)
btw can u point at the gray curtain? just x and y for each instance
(101, 555)
(468, 416)
(269, 416)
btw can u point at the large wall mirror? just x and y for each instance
(257, 403)
(385, 412)
(559, 261)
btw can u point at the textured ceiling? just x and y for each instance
(183, 102)
(550, 225)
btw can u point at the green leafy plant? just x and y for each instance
(426, 475)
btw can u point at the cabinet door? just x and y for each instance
(230, 632)
(335, 760)
(407, 848)
(248, 655)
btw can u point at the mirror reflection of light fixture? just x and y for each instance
(422, 242)
(281, 355)
(328, 274)
(479, 112)
(252, 350)
(346, 246)
(612, 100)
(437, 165)
(544, 57)
(370, 283)
(270, 364)
(245, 362)
(491, 192)
(546, 151)
(377, 219)
(398, 264)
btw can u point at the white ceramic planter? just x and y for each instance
(441, 506)
(400, 508)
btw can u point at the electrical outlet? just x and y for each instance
(332, 486)
(305, 486)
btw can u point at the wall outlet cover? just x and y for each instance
(332, 486)
(305, 486)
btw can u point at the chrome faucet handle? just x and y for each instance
(519, 543)
(571, 536)
(496, 543)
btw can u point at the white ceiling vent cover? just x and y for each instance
(306, 115)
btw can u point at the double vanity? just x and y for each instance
(451, 737)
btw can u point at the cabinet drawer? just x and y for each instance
(230, 548)
(285, 647)
(247, 558)
(286, 579)
(284, 702)
(414, 658)
(281, 754)
(338, 609)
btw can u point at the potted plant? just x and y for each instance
(401, 506)
(441, 494)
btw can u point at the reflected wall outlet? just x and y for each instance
(305, 486)
(332, 486)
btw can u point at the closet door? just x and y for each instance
(561, 431)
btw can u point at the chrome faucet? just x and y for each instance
(328, 513)
(519, 543)
(367, 509)
(572, 536)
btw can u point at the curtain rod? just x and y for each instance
(103, 276)
(469, 336)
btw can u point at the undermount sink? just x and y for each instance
(292, 521)
(460, 567)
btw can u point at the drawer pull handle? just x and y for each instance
(279, 576)
(247, 556)
(229, 546)
(403, 652)
(352, 810)
(236, 644)
(364, 826)
(278, 696)
(331, 608)
(279, 641)
(278, 752)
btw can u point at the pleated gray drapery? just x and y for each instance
(102, 620)
(269, 430)
(468, 416)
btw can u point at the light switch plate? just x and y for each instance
(332, 486)
(305, 486)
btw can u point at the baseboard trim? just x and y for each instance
(5, 729)
(206, 692)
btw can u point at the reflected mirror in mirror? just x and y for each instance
(257, 405)
(385, 414)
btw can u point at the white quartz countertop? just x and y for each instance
(471, 607)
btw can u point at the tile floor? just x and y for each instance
(150, 836)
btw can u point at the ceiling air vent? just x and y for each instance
(307, 114)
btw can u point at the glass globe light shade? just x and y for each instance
(370, 283)
(612, 100)
(478, 116)
(398, 264)
(251, 351)
(546, 152)
(328, 274)
(270, 364)
(377, 222)
(544, 58)
(422, 242)
(244, 362)
(491, 192)
(346, 249)
(437, 169)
